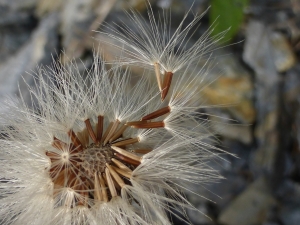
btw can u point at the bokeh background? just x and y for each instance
(258, 87)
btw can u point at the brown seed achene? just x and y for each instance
(150, 125)
(112, 131)
(58, 144)
(133, 123)
(99, 128)
(96, 171)
(166, 84)
(126, 142)
(75, 140)
(157, 113)
(118, 133)
(127, 160)
(90, 130)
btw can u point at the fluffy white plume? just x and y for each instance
(105, 147)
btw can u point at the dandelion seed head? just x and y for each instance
(99, 149)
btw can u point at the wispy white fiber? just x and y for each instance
(48, 178)
(153, 41)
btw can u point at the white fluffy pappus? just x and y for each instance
(153, 44)
(89, 152)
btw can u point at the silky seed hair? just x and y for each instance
(95, 140)
(100, 149)
(154, 45)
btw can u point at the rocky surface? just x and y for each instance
(255, 93)
(38, 50)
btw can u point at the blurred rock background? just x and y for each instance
(259, 84)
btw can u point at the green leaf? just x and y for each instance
(226, 14)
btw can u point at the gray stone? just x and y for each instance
(232, 88)
(250, 207)
(272, 44)
(18, 4)
(38, 50)
(238, 132)
(80, 18)
(290, 215)
(45, 6)
(200, 217)
(284, 56)
(260, 55)
(76, 16)
(15, 30)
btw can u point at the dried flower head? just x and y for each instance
(107, 147)
(98, 150)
